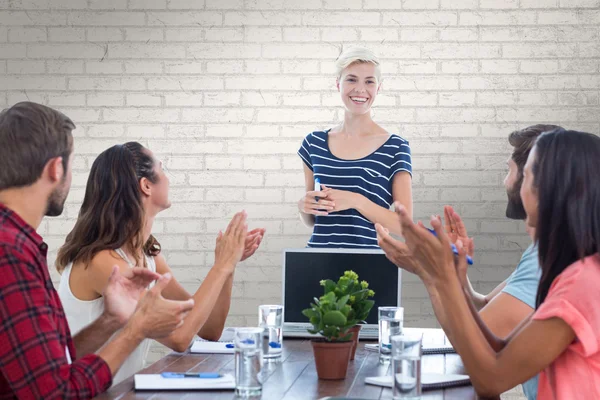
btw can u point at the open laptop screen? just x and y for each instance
(303, 269)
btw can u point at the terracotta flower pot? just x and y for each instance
(354, 331)
(331, 358)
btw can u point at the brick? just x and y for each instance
(182, 67)
(99, 18)
(419, 35)
(459, 4)
(579, 3)
(436, 19)
(421, 83)
(25, 67)
(3, 34)
(342, 5)
(106, 83)
(191, 147)
(561, 82)
(71, 50)
(185, 4)
(310, 99)
(256, 130)
(299, 66)
(141, 115)
(223, 163)
(542, 50)
(235, 179)
(498, 83)
(183, 99)
(418, 99)
(496, 98)
(262, 163)
(191, 18)
(267, 83)
(420, 4)
(217, 115)
(23, 95)
(539, 66)
(106, 131)
(339, 34)
(223, 51)
(66, 34)
(143, 67)
(224, 131)
(65, 66)
(12, 51)
(493, 162)
(105, 99)
(449, 50)
(578, 66)
(578, 98)
(459, 130)
(143, 100)
(24, 82)
(537, 98)
(457, 195)
(185, 83)
(499, 4)
(294, 115)
(263, 67)
(147, 4)
(457, 99)
(457, 163)
(499, 67)
(105, 34)
(144, 35)
(263, 195)
(108, 4)
(224, 4)
(539, 3)
(146, 50)
(146, 131)
(255, 34)
(27, 35)
(36, 18)
(184, 35)
(259, 99)
(379, 34)
(459, 35)
(459, 67)
(300, 50)
(497, 18)
(325, 18)
(225, 67)
(262, 18)
(183, 162)
(104, 67)
(186, 131)
(589, 81)
(455, 115)
(263, 147)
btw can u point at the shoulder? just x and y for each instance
(316, 137)
(398, 140)
(529, 265)
(583, 274)
(16, 265)
(102, 264)
(161, 264)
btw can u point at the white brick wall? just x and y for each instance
(224, 91)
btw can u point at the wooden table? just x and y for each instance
(296, 377)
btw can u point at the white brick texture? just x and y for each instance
(224, 91)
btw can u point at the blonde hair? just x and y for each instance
(357, 55)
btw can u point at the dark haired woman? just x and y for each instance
(126, 189)
(561, 339)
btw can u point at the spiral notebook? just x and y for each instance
(428, 349)
(429, 381)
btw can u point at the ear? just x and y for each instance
(145, 186)
(337, 84)
(379, 87)
(54, 169)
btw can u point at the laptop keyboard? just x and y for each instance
(299, 330)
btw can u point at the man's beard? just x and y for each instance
(514, 208)
(56, 201)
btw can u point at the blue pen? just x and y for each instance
(317, 188)
(201, 375)
(454, 249)
(229, 346)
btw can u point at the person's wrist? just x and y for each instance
(224, 268)
(110, 322)
(133, 329)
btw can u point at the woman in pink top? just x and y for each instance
(561, 339)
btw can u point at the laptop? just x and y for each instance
(304, 268)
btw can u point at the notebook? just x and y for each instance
(429, 381)
(157, 382)
(427, 349)
(205, 347)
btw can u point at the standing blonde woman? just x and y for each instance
(354, 171)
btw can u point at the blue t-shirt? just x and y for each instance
(371, 176)
(523, 285)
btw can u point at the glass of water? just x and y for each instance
(248, 362)
(406, 366)
(390, 324)
(270, 319)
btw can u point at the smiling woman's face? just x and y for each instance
(358, 86)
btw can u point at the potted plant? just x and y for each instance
(329, 318)
(359, 300)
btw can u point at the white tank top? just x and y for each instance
(81, 313)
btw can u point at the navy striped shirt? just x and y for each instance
(370, 176)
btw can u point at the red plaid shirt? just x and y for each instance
(34, 334)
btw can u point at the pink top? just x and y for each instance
(574, 297)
